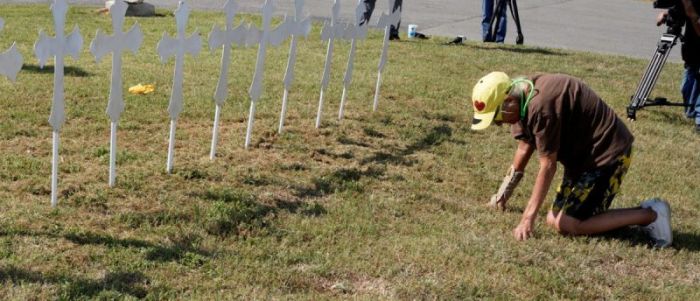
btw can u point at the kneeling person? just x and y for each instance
(565, 121)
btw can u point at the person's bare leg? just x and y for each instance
(604, 222)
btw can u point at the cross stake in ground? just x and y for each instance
(330, 32)
(262, 38)
(298, 27)
(117, 43)
(385, 21)
(355, 33)
(178, 47)
(57, 47)
(225, 38)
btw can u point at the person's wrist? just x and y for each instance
(527, 219)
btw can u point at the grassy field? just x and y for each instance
(385, 205)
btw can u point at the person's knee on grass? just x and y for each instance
(562, 223)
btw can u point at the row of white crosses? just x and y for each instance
(243, 35)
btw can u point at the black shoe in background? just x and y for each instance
(456, 41)
(394, 37)
(421, 36)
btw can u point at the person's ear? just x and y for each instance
(510, 110)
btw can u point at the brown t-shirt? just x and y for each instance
(567, 117)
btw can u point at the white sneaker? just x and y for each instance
(660, 229)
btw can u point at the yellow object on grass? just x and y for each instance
(142, 89)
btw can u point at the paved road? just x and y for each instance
(625, 27)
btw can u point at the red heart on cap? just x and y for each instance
(479, 105)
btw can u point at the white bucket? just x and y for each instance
(412, 30)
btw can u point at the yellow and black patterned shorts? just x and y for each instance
(592, 192)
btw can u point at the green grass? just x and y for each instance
(385, 205)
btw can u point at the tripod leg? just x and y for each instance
(516, 18)
(495, 24)
(651, 74)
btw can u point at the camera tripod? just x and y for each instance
(498, 11)
(640, 98)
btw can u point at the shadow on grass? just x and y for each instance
(518, 49)
(129, 283)
(686, 241)
(156, 15)
(340, 180)
(673, 118)
(437, 135)
(349, 179)
(632, 235)
(67, 70)
(239, 213)
(303, 208)
(681, 240)
(155, 252)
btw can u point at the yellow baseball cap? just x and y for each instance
(487, 96)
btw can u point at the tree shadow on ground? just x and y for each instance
(154, 252)
(49, 69)
(299, 207)
(349, 141)
(129, 283)
(349, 178)
(241, 213)
(436, 136)
(339, 180)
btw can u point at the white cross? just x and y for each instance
(10, 60)
(57, 47)
(225, 38)
(117, 43)
(262, 38)
(355, 32)
(330, 32)
(298, 27)
(178, 47)
(385, 21)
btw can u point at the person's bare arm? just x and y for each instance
(548, 167)
(522, 155)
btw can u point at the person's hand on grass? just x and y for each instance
(498, 201)
(524, 230)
